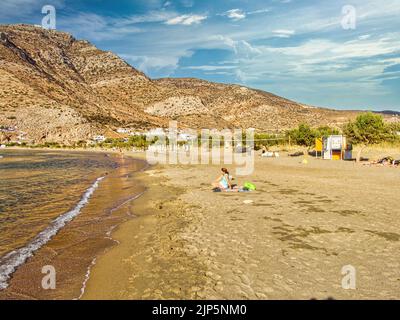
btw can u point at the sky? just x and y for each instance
(338, 54)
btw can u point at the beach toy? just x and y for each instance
(249, 186)
(248, 201)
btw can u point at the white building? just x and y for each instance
(156, 133)
(123, 130)
(186, 137)
(99, 138)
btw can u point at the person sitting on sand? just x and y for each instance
(264, 149)
(223, 181)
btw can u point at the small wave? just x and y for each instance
(87, 276)
(10, 262)
(127, 201)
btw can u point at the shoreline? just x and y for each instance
(19, 256)
(63, 249)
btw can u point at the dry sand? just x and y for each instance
(304, 224)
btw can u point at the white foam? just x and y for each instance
(87, 276)
(10, 262)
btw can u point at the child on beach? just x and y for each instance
(224, 182)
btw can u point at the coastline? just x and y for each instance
(75, 246)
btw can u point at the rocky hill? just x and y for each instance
(56, 88)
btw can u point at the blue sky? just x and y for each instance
(294, 48)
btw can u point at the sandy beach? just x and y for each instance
(288, 240)
(176, 239)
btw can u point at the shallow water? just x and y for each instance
(36, 187)
(42, 192)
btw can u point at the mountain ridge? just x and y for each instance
(56, 88)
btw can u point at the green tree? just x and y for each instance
(326, 131)
(267, 140)
(140, 142)
(367, 129)
(303, 135)
(394, 128)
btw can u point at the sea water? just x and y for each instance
(40, 193)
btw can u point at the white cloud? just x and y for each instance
(372, 9)
(365, 49)
(310, 48)
(243, 76)
(146, 63)
(258, 11)
(210, 68)
(337, 64)
(187, 3)
(235, 14)
(151, 16)
(239, 14)
(221, 73)
(241, 47)
(186, 19)
(364, 37)
(283, 33)
(325, 50)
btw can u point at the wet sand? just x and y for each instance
(74, 249)
(304, 223)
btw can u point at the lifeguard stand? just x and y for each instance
(334, 147)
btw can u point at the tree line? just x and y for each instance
(366, 129)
